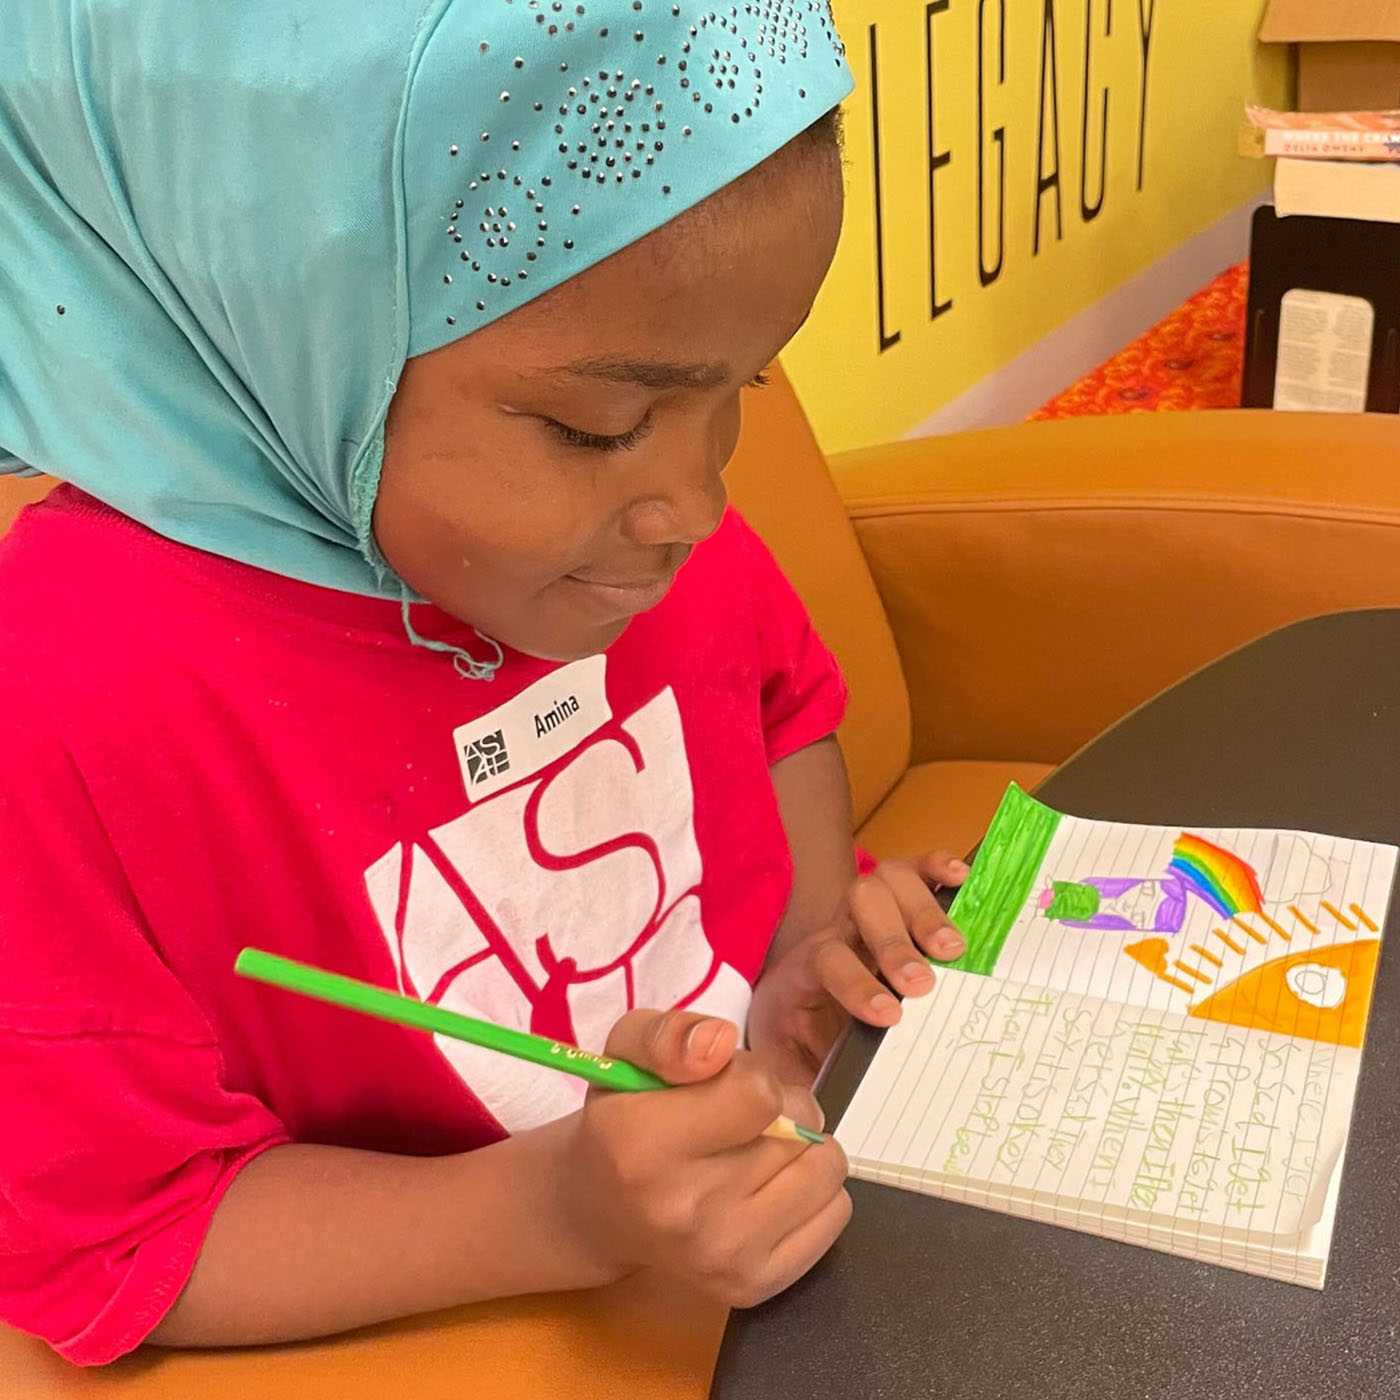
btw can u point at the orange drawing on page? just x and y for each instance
(1151, 953)
(1321, 994)
(1252, 932)
(1190, 971)
(1227, 940)
(1303, 919)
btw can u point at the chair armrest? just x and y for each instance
(1044, 579)
(16, 492)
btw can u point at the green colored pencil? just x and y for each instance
(369, 1000)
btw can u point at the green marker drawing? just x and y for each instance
(1002, 876)
(1072, 902)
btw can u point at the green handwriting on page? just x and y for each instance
(1148, 1126)
(1007, 862)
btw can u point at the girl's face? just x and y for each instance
(546, 476)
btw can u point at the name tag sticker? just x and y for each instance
(542, 723)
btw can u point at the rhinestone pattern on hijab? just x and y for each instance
(593, 119)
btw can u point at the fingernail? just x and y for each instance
(948, 943)
(801, 1107)
(701, 1038)
(916, 972)
(882, 1003)
(959, 867)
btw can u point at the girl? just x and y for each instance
(392, 619)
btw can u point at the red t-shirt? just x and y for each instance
(199, 756)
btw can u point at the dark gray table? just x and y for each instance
(929, 1298)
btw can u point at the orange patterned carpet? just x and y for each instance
(1192, 359)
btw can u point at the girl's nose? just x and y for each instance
(684, 514)
(684, 502)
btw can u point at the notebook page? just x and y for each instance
(1142, 1124)
(1273, 930)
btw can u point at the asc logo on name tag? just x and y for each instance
(486, 757)
(543, 722)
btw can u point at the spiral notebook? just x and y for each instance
(1154, 1035)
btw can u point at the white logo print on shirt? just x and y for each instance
(558, 904)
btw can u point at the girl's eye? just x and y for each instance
(598, 442)
(620, 442)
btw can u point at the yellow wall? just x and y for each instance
(870, 368)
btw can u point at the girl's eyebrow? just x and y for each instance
(657, 374)
(652, 374)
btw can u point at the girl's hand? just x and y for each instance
(683, 1180)
(889, 920)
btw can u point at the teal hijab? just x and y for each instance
(225, 226)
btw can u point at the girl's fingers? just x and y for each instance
(923, 916)
(885, 930)
(801, 1106)
(760, 1161)
(680, 1046)
(852, 985)
(707, 1116)
(797, 1215)
(941, 868)
(797, 1251)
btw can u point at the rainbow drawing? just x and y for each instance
(1217, 876)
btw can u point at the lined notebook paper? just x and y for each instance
(1154, 1035)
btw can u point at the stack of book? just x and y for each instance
(1324, 313)
(1342, 165)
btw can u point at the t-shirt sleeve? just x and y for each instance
(803, 694)
(119, 1134)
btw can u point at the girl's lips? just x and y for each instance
(623, 599)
